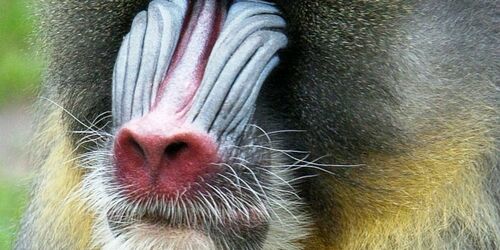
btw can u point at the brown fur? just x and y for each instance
(406, 88)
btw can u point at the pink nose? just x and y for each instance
(164, 159)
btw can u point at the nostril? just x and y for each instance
(136, 147)
(174, 149)
(164, 161)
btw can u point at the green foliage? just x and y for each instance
(19, 68)
(12, 200)
(19, 79)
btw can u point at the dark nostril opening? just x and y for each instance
(174, 149)
(137, 147)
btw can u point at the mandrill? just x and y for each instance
(249, 124)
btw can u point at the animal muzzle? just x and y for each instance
(185, 83)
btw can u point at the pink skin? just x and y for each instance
(160, 154)
(185, 73)
(150, 158)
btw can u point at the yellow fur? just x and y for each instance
(409, 201)
(62, 217)
(403, 201)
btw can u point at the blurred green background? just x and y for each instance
(19, 69)
(19, 79)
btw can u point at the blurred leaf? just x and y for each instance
(19, 78)
(19, 68)
(12, 200)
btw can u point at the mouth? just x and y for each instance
(221, 214)
(240, 201)
(233, 198)
(185, 218)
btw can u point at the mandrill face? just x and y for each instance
(189, 163)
